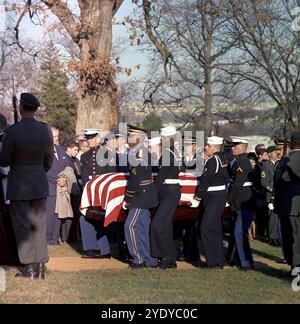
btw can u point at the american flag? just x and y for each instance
(108, 190)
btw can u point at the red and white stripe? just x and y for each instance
(107, 191)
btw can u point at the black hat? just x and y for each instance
(252, 156)
(295, 138)
(271, 148)
(260, 149)
(29, 101)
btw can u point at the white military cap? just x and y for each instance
(239, 140)
(154, 141)
(168, 131)
(215, 140)
(89, 133)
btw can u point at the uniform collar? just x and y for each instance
(27, 119)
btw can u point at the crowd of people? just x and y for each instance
(46, 180)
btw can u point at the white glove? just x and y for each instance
(271, 206)
(124, 206)
(195, 203)
(227, 205)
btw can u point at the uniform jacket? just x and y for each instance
(288, 185)
(60, 162)
(141, 191)
(267, 178)
(215, 174)
(122, 162)
(194, 166)
(28, 150)
(170, 171)
(241, 197)
(90, 167)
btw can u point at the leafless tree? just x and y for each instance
(189, 37)
(90, 28)
(268, 51)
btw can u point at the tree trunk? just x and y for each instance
(98, 101)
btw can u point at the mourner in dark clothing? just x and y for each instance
(60, 161)
(28, 150)
(267, 182)
(70, 226)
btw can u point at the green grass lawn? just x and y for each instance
(266, 285)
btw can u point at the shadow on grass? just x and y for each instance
(269, 271)
(266, 255)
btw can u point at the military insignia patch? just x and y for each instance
(240, 170)
(263, 174)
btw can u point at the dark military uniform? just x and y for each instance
(288, 206)
(241, 200)
(28, 150)
(89, 166)
(267, 182)
(262, 212)
(122, 162)
(140, 195)
(93, 233)
(94, 236)
(8, 246)
(162, 245)
(214, 195)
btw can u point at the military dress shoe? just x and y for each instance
(90, 254)
(104, 256)
(167, 263)
(248, 268)
(26, 272)
(134, 266)
(40, 273)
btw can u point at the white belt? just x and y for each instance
(216, 188)
(247, 184)
(171, 181)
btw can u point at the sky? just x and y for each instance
(131, 57)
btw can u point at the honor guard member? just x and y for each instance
(154, 145)
(267, 182)
(193, 162)
(28, 150)
(288, 203)
(141, 195)
(187, 229)
(89, 166)
(122, 153)
(92, 231)
(214, 195)
(106, 156)
(169, 192)
(241, 202)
